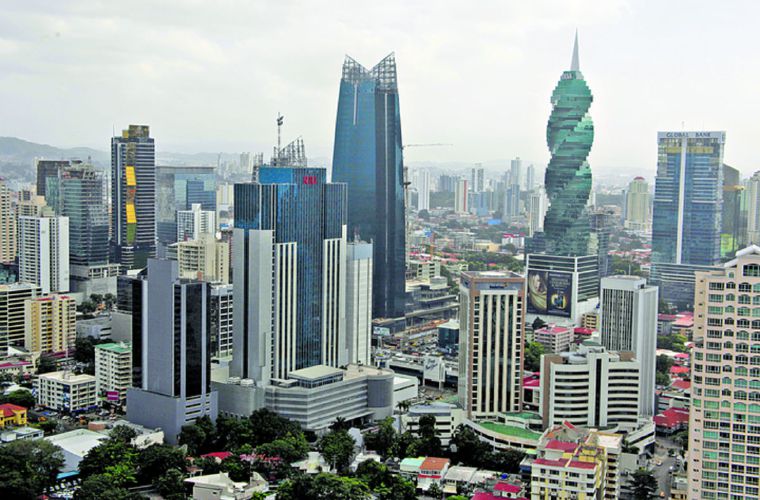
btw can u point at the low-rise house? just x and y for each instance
(432, 471)
(11, 414)
(221, 487)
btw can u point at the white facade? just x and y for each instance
(461, 200)
(591, 388)
(64, 391)
(753, 209)
(515, 172)
(538, 204)
(629, 323)
(113, 371)
(222, 320)
(193, 223)
(7, 226)
(491, 342)
(359, 302)
(423, 191)
(44, 252)
(205, 258)
(638, 205)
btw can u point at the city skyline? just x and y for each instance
(213, 67)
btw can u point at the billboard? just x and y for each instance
(550, 293)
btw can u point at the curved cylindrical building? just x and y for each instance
(569, 135)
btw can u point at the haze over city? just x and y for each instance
(212, 76)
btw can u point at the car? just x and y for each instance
(662, 494)
(658, 463)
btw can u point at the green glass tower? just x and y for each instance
(569, 135)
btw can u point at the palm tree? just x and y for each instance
(339, 424)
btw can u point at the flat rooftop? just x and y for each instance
(511, 430)
(315, 372)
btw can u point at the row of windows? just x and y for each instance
(741, 311)
(730, 297)
(743, 287)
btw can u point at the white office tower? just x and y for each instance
(461, 200)
(423, 190)
(44, 252)
(491, 340)
(629, 323)
(515, 171)
(590, 388)
(753, 209)
(193, 223)
(538, 204)
(7, 225)
(359, 302)
(638, 206)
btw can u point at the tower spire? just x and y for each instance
(575, 65)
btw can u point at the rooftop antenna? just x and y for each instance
(280, 119)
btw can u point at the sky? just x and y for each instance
(212, 76)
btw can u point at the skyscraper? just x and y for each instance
(753, 209)
(461, 197)
(530, 178)
(194, 223)
(491, 341)
(45, 170)
(368, 157)
(733, 232)
(289, 268)
(50, 324)
(44, 252)
(178, 188)
(359, 302)
(538, 203)
(515, 172)
(724, 423)
(688, 196)
(133, 197)
(638, 209)
(629, 323)
(569, 135)
(423, 191)
(7, 225)
(12, 321)
(171, 351)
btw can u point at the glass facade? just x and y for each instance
(177, 188)
(367, 156)
(569, 135)
(302, 208)
(688, 196)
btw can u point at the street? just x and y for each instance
(662, 472)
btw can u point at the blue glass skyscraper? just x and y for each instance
(688, 196)
(177, 188)
(367, 156)
(289, 251)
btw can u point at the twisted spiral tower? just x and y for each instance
(569, 135)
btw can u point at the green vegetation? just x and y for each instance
(19, 397)
(662, 374)
(323, 487)
(468, 449)
(338, 449)
(441, 199)
(674, 342)
(484, 261)
(533, 352)
(28, 467)
(644, 485)
(622, 265)
(511, 430)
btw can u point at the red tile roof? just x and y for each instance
(221, 455)
(583, 331)
(552, 463)
(9, 410)
(671, 418)
(434, 464)
(683, 385)
(482, 495)
(506, 487)
(582, 465)
(565, 446)
(678, 370)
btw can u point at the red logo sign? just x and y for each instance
(310, 179)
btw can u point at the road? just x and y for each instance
(662, 472)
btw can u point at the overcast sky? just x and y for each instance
(212, 76)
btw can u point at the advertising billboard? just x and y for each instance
(550, 293)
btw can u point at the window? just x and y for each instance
(744, 299)
(752, 270)
(730, 297)
(745, 287)
(716, 286)
(756, 311)
(743, 311)
(729, 309)
(714, 310)
(740, 382)
(715, 297)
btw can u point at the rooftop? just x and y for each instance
(77, 442)
(68, 377)
(511, 430)
(434, 464)
(9, 410)
(315, 372)
(117, 347)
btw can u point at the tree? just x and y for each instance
(435, 491)
(289, 448)
(237, 470)
(507, 460)
(429, 442)
(384, 440)
(104, 458)
(268, 426)
(154, 461)
(208, 465)
(338, 448)
(84, 350)
(644, 485)
(468, 449)
(200, 437)
(46, 364)
(101, 486)
(48, 426)
(171, 485)
(87, 307)
(20, 397)
(109, 300)
(532, 359)
(96, 298)
(28, 467)
(323, 487)
(407, 444)
(123, 434)
(340, 424)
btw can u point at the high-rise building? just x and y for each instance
(753, 209)
(602, 221)
(446, 183)
(289, 268)
(629, 323)
(368, 157)
(178, 188)
(530, 178)
(66, 392)
(538, 204)
(638, 205)
(12, 305)
(44, 252)
(569, 135)
(479, 182)
(461, 197)
(733, 233)
(688, 196)
(7, 225)
(724, 423)
(193, 223)
(48, 169)
(133, 198)
(561, 287)
(171, 351)
(205, 259)
(591, 387)
(423, 191)
(359, 302)
(491, 342)
(113, 371)
(515, 173)
(512, 201)
(222, 319)
(50, 324)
